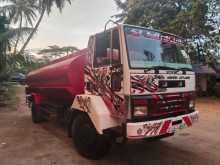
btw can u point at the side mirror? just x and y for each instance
(89, 86)
(116, 81)
(116, 77)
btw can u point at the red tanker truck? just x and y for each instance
(131, 82)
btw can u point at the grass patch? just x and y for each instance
(8, 96)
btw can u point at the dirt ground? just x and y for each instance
(25, 143)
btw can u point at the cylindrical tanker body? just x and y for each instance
(61, 79)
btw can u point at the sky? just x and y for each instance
(74, 25)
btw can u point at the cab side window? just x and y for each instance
(102, 56)
(115, 47)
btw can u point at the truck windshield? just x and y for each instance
(148, 48)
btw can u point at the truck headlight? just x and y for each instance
(140, 111)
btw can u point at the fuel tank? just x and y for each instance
(61, 79)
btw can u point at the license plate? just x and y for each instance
(174, 128)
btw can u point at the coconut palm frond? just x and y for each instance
(56, 50)
(61, 3)
(70, 48)
(17, 10)
(44, 6)
(7, 10)
(14, 32)
(122, 5)
(54, 47)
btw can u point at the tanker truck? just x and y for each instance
(130, 83)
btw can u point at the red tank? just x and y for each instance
(61, 79)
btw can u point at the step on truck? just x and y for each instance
(130, 83)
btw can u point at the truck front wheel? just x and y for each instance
(87, 141)
(36, 113)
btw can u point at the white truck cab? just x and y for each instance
(138, 82)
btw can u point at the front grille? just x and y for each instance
(163, 105)
(167, 105)
(171, 105)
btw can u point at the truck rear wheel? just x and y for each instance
(36, 113)
(87, 141)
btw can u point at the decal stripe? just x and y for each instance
(101, 86)
(165, 127)
(142, 83)
(187, 121)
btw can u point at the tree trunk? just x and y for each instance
(18, 37)
(34, 30)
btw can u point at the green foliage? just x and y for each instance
(20, 13)
(48, 4)
(194, 20)
(4, 42)
(11, 33)
(186, 18)
(8, 95)
(191, 22)
(44, 6)
(8, 61)
(17, 10)
(56, 51)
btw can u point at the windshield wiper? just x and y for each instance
(157, 68)
(160, 67)
(184, 69)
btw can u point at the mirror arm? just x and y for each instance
(109, 22)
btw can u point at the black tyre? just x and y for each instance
(87, 141)
(36, 113)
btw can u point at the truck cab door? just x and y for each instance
(107, 59)
(106, 69)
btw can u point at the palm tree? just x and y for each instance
(7, 36)
(19, 12)
(44, 6)
(52, 51)
(3, 41)
(57, 51)
(69, 49)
